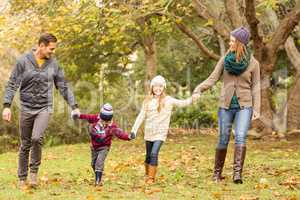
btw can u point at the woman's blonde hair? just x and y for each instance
(240, 50)
(160, 99)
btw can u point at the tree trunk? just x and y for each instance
(265, 123)
(150, 59)
(147, 41)
(232, 9)
(293, 103)
(101, 85)
(293, 106)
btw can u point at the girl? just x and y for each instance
(156, 111)
(239, 100)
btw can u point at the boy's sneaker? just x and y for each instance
(22, 184)
(98, 176)
(33, 180)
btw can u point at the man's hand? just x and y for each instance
(6, 114)
(75, 113)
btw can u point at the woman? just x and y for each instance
(239, 100)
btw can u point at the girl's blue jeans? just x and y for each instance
(152, 150)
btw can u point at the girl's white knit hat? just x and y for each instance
(158, 80)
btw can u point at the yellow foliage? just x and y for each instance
(209, 22)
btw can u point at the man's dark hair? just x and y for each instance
(46, 38)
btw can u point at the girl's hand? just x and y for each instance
(132, 136)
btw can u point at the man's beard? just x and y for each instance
(47, 56)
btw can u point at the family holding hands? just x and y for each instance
(36, 71)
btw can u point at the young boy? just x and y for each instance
(101, 130)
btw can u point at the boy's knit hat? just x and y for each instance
(106, 112)
(158, 80)
(242, 34)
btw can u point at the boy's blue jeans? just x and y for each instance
(152, 150)
(241, 118)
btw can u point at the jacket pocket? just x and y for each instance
(26, 97)
(245, 96)
(41, 98)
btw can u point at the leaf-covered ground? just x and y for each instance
(272, 171)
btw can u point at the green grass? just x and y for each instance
(272, 171)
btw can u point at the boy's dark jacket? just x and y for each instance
(101, 135)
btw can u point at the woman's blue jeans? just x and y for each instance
(152, 150)
(241, 118)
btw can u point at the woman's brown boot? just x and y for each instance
(219, 164)
(239, 157)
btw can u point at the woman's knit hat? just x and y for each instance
(242, 34)
(106, 112)
(158, 80)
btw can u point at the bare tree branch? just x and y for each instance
(293, 53)
(253, 23)
(219, 26)
(222, 45)
(157, 12)
(289, 45)
(232, 10)
(285, 27)
(199, 43)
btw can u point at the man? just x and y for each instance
(34, 73)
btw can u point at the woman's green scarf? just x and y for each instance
(234, 67)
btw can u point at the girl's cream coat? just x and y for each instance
(157, 123)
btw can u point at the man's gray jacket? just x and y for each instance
(36, 83)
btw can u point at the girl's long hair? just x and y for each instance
(160, 99)
(240, 50)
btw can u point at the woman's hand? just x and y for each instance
(195, 97)
(255, 116)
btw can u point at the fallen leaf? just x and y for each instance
(27, 189)
(152, 190)
(276, 194)
(263, 184)
(54, 193)
(217, 195)
(291, 183)
(246, 197)
(44, 179)
(90, 197)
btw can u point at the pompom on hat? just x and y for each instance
(158, 80)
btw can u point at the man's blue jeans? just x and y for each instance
(152, 150)
(241, 118)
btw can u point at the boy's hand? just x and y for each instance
(132, 136)
(75, 114)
